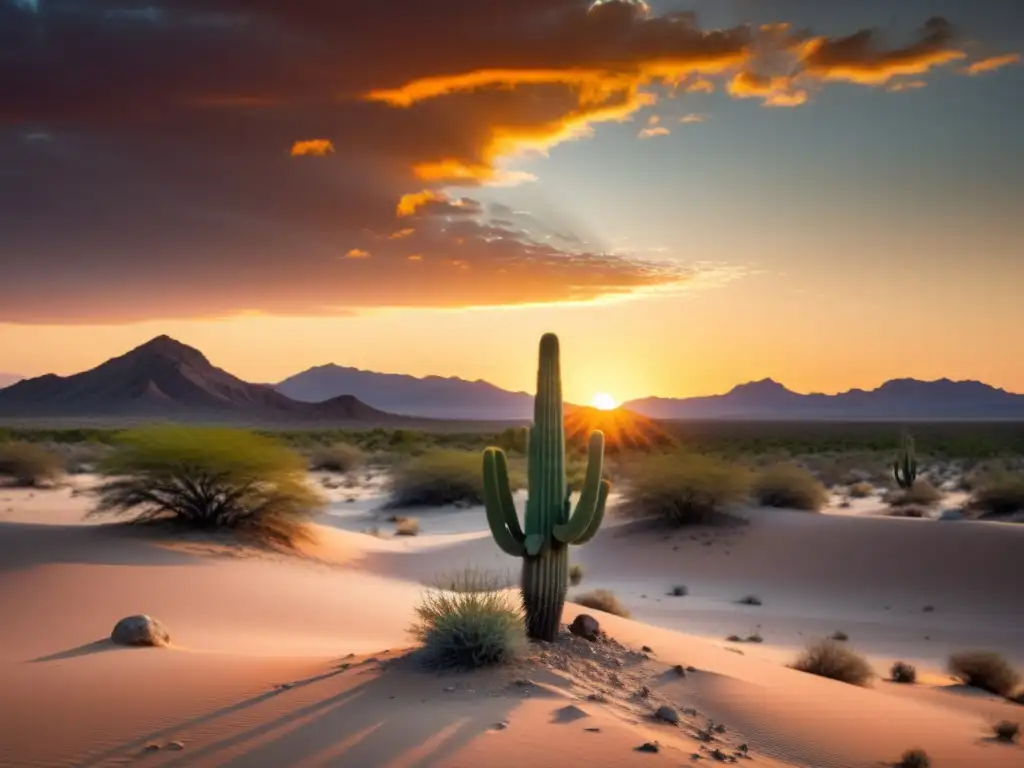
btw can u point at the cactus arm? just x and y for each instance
(505, 496)
(595, 522)
(586, 507)
(500, 509)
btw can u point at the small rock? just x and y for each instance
(691, 669)
(648, 746)
(592, 730)
(449, 688)
(285, 686)
(719, 728)
(501, 726)
(586, 626)
(140, 630)
(667, 714)
(176, 745)
(646, 649)
(152, 747)
(948, 515)
(680, 670)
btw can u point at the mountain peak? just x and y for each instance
(165, 346)
(764, 386)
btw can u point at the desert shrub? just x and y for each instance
(407, 526)
(914, 758)
(1006, 731)
(1001, 495)
(1017, 698)
(340, 457)
(467, 629)
(861, 490)
(679, 590)
(83, 457)
(834, 660)
(575, 574)
(749, 600)
(908, 511)
(28, 465)
(474, 580)
(789, 486)
(921, 493)
(602, 600)
(439, 478)
(901, 672)
(209, 478)
(840, 636)
(684, 490)
(985, 670)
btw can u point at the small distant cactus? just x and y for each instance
(551, 524)
(904, 468)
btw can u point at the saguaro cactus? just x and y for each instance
(549, 526)
(904, 468)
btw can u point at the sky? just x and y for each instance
(691, 194)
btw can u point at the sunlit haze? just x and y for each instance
(604, 402)
(825, 193)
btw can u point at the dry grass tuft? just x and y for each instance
(922, 493)
(683, 489)
(901, 672)
(834, 660)
(469, 629)
(985, 670)
(602, 600)
(914, 758)
(27, 465)
(441, 478)
(340, 457)
(789, 486)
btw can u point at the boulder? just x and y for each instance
(140, 630)
(586, 626)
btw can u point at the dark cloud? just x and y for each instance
(208, 157)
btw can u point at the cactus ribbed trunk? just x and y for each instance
(548, 529)
(546, 574)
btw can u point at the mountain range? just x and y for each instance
(164, 378)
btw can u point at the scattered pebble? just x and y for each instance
(648, 746)
(176, 745)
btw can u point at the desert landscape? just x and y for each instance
(811, 607)
(510, 383)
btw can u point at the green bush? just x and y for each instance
(467, 629)
(439, 478)
(602, 600)
(834, 660)
(209, 478)
(1001, 495)
(28, 465)
(985, 670)
(790, 487)
(340, 457)
(683, 489)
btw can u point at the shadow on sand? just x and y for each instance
(344, 717)
(97, 646)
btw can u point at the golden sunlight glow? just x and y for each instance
(604, 402)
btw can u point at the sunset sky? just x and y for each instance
(691, 193)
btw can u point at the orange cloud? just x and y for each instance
(773, 90)
(906, 85)
(312, 147)
(859, 59)
(357, 253)
(430, 202)
(693, 117)
(400, 233)
(992, 63)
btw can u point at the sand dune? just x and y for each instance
(299, 660)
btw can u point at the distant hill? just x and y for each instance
(895, 399)
(431, 397)
(6, 379)
(164, 378)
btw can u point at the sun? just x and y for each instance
(604, 402)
